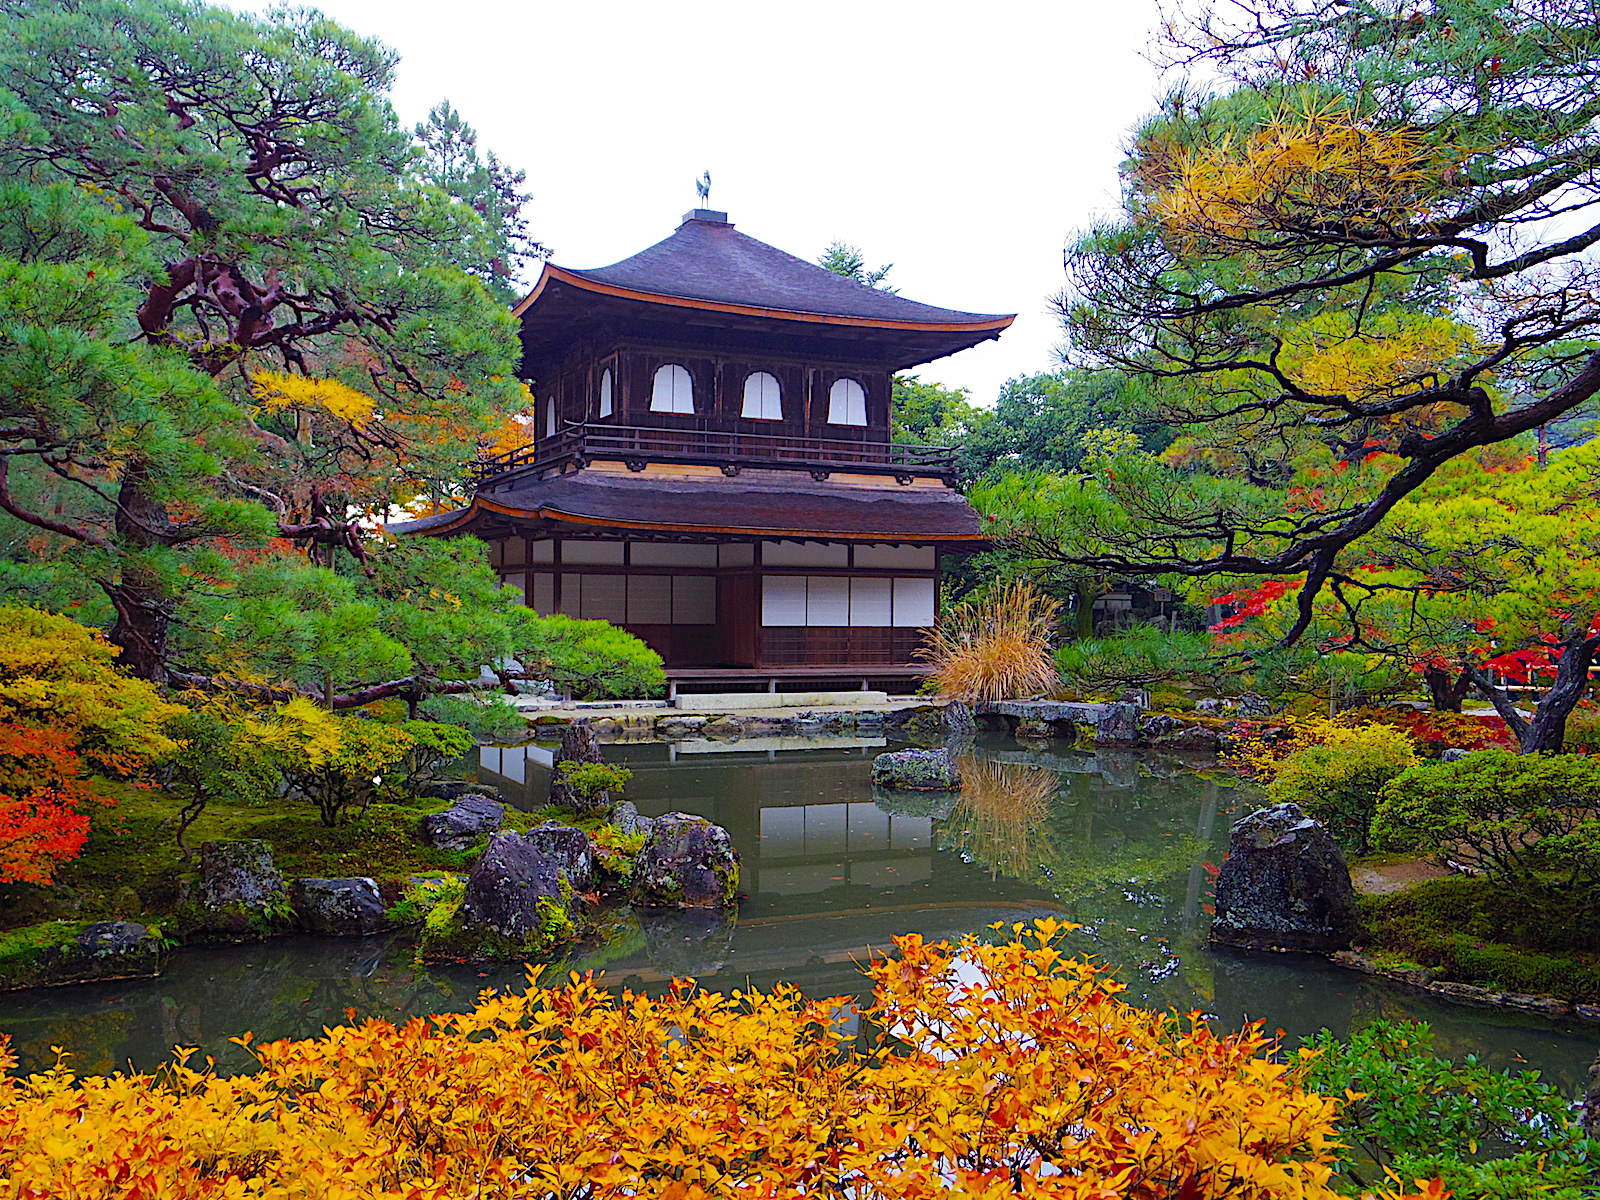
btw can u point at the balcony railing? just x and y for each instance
(638, 446)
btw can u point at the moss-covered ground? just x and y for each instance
(1473, 931)
(132, 866)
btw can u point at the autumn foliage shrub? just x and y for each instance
(1433, 731)
(65, 709)
(57, 674)
(44, 796)
(999, 1071)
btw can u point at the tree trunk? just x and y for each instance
(1447, 694)
(144, 609)
(1084, 594)
(1546, 732)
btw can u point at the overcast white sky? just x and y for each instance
(961, 141)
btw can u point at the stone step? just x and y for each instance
(731, 701)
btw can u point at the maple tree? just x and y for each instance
(57, 675)
(65, 709)
(44, 792)
(996, 1070)
(1350, 247)
(1490, 571)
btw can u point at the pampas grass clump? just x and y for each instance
(994, 647)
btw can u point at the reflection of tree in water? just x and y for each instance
(1070, 833)
(1124, 850)
(92, 1040)
(1002, 805)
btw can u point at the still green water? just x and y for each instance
(1125, 845)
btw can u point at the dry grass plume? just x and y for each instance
(994, 647)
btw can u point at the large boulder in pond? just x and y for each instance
(515, 906)
(569, 849)
(1285, 885)
(117, 950)
(340, 907)
(467, 819)
(507, 884)
(917, 771)
(687, 862)
(578, 745)
(98, 950)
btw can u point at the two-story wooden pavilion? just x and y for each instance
(713, 469)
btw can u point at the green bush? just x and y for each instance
(1490, 1135)
(434, 748)
(593, 783)
(1475, 931)
(1530, 822)
(1582, 734)
(1337, 780)
(594, 659)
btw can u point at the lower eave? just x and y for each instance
(590, 501)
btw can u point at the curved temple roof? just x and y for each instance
(757, 503)
(707, 263)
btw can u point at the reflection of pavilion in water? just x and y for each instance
(798, 821)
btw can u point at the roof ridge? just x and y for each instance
(718, 263)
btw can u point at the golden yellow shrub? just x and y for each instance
(1006, 1070)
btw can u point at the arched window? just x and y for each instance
(606, 408)
(847, 403)
(763, 397)
(550, 417)
(674, 391)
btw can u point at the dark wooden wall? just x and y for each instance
(719, 390)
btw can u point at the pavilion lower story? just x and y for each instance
(753, 606)
(766, 575)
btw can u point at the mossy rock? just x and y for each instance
(59, 952)
(917, 770)
(447, 937)
(686, 862)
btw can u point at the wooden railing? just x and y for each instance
(638, 446)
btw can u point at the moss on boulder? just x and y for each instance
(686, 862)
(917, 771)
(59, 952)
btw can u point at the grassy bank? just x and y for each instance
(1471, 931)
(133, 867)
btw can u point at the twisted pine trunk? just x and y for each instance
(1547, 730)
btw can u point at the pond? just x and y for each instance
(1124, 844)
